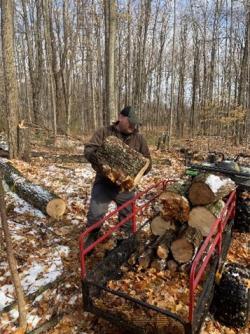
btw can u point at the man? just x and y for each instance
(104, 191)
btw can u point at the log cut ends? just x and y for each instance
(208, 188)
(56, 208)
(203, 217)
(186, 246)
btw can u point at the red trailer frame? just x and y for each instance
(211, 244)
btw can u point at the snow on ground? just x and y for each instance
(47, 250)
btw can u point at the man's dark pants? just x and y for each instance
(103, 193)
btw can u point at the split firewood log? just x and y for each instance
(208, 188)
(186, 245)
(174, 206)
(203, 217)
(159, 225)
(120, 163)
(41, 198)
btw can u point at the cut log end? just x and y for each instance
(56, 208)
(182, 250)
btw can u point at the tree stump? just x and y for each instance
(209, 188)
(120, 163)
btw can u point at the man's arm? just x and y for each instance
(92, 146)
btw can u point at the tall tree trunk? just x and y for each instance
(110, 34)
(10, 79)
(11, 259)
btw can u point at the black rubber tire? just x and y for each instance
(242, 214)
(231, 298)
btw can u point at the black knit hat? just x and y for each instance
(131, 114)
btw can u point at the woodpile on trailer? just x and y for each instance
(158, 271)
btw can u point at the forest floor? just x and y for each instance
(47, 250)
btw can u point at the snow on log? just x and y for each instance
(39, 197)
(185, 247)
(203, 217)
(174, 206)
(120, 163)
(209, 188)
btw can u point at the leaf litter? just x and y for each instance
(47, 250)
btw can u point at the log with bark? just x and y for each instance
(41, 198)
(121, 164)
(203, 217)
(186, 245)
(174, 207)
(209, 188)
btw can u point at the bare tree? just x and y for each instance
(12, 261)
(110, 36)
(10, 79)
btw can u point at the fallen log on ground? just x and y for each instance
(41, 198)
(209, 188)
(120, 163)
(203, 217)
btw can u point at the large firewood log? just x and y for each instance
(186, 245)
(41, 198)
(209, 188)
(203, 217)
(159, 225)
(120, 163)
(174, 206)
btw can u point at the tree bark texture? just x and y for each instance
(12, 262)
(10, 78)
(121, 164)
(44, 200)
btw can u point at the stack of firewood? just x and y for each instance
(187, 212)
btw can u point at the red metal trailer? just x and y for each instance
(212, 252)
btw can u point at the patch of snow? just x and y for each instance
(17, 237)
(4, 298)
(215, 182)
(62, 250)
(14, 313)
(33, 320)
(35, 277)
(72, 300)
(22, 206)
